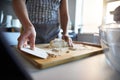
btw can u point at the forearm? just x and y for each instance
(21, 12)
(64, 22)
(64, 16)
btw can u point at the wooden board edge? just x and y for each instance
(88, 43)
(71, 59)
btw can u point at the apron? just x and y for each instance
(44, 16)
(46, 32)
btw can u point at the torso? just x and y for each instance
(43, 11)
(44, 16)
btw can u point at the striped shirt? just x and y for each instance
(43, 11)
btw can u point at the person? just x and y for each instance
(41, 21)
(116, 14)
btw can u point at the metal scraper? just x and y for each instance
(36, 52)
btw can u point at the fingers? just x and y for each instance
(27, 37)
(68, 40)
(70, 43)
(32, 43)
(21, 41)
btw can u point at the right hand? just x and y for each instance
(28, 35)
(68, 40)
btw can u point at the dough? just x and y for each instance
(58, 43)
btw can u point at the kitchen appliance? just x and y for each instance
(8, 21)
(16, 23)
(110, 42)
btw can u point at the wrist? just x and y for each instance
(64, 34)
(28, 26)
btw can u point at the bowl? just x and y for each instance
(110, 42)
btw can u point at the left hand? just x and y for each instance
(68, 40)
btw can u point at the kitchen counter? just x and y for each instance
(91, 68)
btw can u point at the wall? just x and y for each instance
(72, 10)
(5, 6)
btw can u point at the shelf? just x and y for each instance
(11, 29)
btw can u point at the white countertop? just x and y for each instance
(92, 68)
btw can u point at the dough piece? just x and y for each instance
(58, 43)
(72, 48)
(55, 50)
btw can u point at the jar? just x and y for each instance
(110, 42)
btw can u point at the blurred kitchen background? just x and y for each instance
(86, 16)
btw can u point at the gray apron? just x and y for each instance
(46, 32)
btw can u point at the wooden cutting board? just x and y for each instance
(83, 50)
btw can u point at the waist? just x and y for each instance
(53, 22)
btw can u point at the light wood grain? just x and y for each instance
(73, 55)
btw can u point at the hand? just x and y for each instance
(68, 40)
(28, 35)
